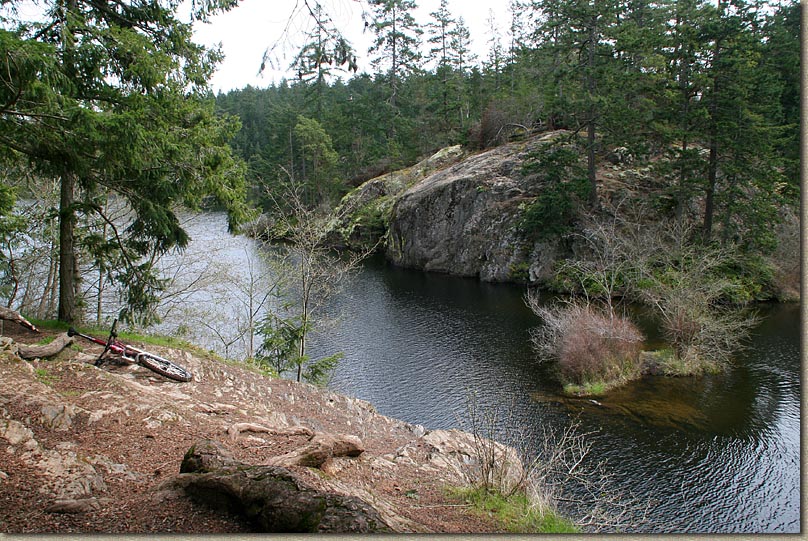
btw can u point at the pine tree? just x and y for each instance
(494, 64)
(439, 31)
(461, 59)
(326, 50)
(579, 33)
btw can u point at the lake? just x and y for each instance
(716, 454)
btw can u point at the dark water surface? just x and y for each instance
(713, 454)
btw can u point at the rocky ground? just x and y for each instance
(88, 450)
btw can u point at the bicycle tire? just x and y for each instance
(164, 367)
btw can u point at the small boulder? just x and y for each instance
(207, 456)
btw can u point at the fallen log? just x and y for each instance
(234, 430)
(42, 351)
(273, 498)
(11, 315)
(320, 448)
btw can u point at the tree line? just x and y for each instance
(712, 87)
(107, 122)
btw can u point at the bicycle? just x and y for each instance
(131, 354)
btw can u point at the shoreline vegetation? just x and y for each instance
(499, 484)
(689, 288)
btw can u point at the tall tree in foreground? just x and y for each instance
(112, 97)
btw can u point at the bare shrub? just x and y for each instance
(494, 467)
(687, 285)
(492, 124)
(554, 469)
(591, 345)
(662, 265)
(314, 273)
(499, 121)
(565, 475)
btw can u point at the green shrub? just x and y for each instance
(520, 272)
(749, 278)
(516, 513)
(565, 187)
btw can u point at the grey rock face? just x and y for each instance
(463, 220)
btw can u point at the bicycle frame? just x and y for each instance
(114, 345)
(134, 355)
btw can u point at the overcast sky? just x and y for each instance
(248, 30)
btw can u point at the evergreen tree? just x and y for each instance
(462, 58)
(113, 98)
(741, 171)
(396, 47)
(318, 162)
(494, 65)
(680, 112)
(780, 61)
(579, 32)
(325, 51)
(439, 37)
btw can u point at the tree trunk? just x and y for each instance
(46, 302)
(590, 130)
(8, 314)
(712, 168)
(68, 267)
(712, 175)
(684, 126)
(273, 498)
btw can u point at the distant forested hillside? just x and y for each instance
(713, 86)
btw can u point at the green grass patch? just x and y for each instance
(146, 339)
(50, 324)
(45, 377)
(103, 332)
(154, 340)
(515, 513)
(667, 363)
(590, 388)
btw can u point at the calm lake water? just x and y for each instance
(717, 454)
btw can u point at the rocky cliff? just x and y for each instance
(464, 219)
(120, 449)
(503, 214)
(459, 215)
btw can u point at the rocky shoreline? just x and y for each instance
(100, 450)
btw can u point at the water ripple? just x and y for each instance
(718, 454)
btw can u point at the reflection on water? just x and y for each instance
(713, 454)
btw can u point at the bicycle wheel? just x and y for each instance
(164, 367)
